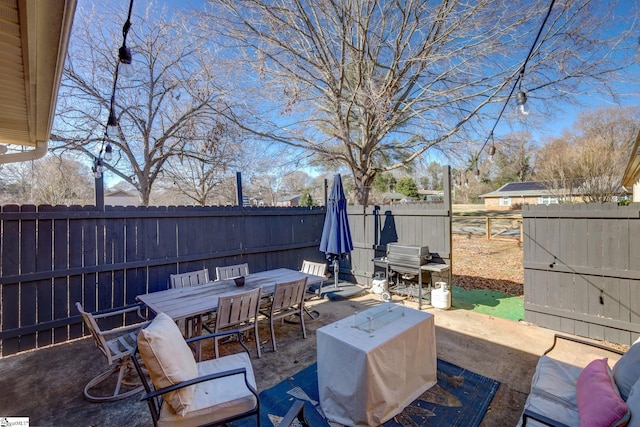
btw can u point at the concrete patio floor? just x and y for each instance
(46, 385)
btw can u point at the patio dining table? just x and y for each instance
(194, 301)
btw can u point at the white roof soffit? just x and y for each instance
(632, 173)
(34, 35)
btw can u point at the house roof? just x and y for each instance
(519, 189)
(34, 36)
(290, 198)
(632, 172)
(120, 193)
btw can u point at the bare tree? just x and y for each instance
(163, 112)
(48, 181)
(557, 166)
(198, 180)
(590, 160)
(372, 85)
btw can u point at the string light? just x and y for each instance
(124, 67)
(521, 96)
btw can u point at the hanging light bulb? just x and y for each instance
(97, 169)
(521, 103)
(99, 166)
(125, 67)
(112, 123)
(477, 174)
(492, 147)
(492, 152)
(108, 152)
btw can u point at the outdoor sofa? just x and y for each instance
(566, 395)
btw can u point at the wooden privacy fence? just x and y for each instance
(51, 257)
(582, 269)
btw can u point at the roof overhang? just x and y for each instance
(34, 35)
(632, 172)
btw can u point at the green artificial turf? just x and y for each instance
(489, 302)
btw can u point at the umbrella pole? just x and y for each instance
(336, 270)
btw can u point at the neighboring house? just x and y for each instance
(289, 200)
(121, 198)
(256, 201)
(397, 197)
(432, 195)
(631, 178)
(515, 194)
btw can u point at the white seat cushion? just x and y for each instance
(168, 359)
(553, 391)
(217, 399)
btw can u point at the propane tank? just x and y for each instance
(441, 296)
(379, 284)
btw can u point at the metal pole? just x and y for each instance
(99, 184)
(326, 195)
(239, 189)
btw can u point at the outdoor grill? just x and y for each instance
(407, 259)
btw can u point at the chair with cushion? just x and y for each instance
(563, 394)
(288, 299)
(239, 311)
(116, 345)
(192, 278)
(232, 271)
(184, 392)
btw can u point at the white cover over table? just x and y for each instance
(367, 378)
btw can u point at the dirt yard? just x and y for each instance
(479, 263)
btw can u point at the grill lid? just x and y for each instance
(409, 256)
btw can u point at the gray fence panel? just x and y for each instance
(582, 274)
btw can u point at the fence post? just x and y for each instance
(239, 189)
(488, 228)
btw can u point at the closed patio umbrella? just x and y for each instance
(336, 236)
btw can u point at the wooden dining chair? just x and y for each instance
(288, 299)
(239, 311)
(192, 278)
(231, 271)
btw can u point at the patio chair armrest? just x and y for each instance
(557, 337)
(118, 331)
(121, 310)
(528, 414)
(220, 335)
(201, 379)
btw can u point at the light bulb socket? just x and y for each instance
(124, 54)
(125, 67)
(492, 150)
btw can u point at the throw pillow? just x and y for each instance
(169, 360)
(599, 403)
(626, 371)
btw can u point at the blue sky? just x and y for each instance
(565, 115)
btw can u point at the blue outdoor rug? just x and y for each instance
(460, 398)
